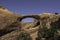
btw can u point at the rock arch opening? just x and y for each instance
(36, 17)
(28, 20)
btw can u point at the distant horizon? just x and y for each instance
(27, 13)
(31, 6)
(16, 12)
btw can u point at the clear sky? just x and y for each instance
(32, 6)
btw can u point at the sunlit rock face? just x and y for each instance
(11, 23)
(47, 18)
(8, 21)
(7, 17)
(4, 9)
(51, 22)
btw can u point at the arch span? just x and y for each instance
(36, 17)
(29, 16)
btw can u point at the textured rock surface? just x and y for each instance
(11, 27)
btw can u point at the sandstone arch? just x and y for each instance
(36, 17)
(35, 24)
(31, 16)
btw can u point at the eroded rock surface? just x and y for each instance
(11, 26)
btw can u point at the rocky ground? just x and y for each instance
(12, 29)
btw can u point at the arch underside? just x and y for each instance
(36, 17)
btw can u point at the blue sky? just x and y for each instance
(32, 6)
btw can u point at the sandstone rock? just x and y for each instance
(11, 25)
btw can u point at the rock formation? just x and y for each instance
(11, 27)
